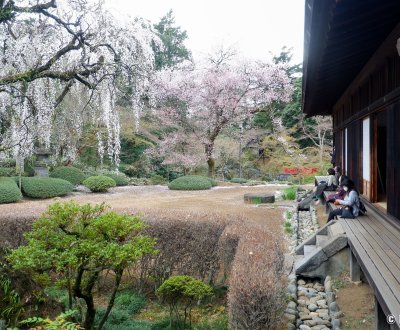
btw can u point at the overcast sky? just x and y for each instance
(254, 27)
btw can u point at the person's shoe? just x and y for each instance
(317, 202)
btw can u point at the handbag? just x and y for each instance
(347, 212)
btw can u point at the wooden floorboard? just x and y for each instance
(384, 235)
(385, 255)
(375, 262)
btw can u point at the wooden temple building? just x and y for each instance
(352, 72)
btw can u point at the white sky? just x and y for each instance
(254, 27)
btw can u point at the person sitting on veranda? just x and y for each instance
(330, 185)
(340, 193)
(349, 205)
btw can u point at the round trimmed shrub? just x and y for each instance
(69, 173)
(238, 180)
(7, 171)
(42, 187)
(120, 178)
(99, 183)
(190, 182)
(9, 191)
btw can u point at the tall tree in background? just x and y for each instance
(219, 94)
(50, 50)
(172, 51)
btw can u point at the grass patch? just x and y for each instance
(289, 193)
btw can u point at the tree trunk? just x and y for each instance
(118, 277)
(209, 148)
(211, 167)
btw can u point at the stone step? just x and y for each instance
(321, 240)
(309, 249)
(336, 229)
(314, 256)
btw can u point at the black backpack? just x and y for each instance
(362, 208)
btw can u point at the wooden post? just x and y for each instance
(355, 270)
(381, 322)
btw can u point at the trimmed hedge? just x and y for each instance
(42, 187)
(120, 178)
(190, 182)
(99, 183)
(238, 180)
(69, 173)
(9, 191)
(7, 171)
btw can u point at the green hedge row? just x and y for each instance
(191, 182)
(41, 187)
(238, 180)
(69, 173)
(7, 171)
(9, 191)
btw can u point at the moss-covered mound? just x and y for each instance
(9, 191)
(99, 183)
(190, 182)
(69, 173)
(41, 187)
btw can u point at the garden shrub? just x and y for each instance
(9, 191)
(198, 244)
(130, 302)
(120, 178)
(78, 242)
(99, 183)
(139, 181)
(289, 193)
(254, 183)
(213, 182)
(157, 179)
(257, 290)
(182, 291)
(238, 180)
(190, 182)
(42, 187)
(7, 171)
(69, 173)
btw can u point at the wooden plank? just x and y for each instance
(381, 288)
(383, 251)
(385, 234)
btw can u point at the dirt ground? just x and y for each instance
(224, 199)
(357, 304)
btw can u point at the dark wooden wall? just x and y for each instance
(393, 160)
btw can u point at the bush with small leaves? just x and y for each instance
(7, 171)
(157, 179)
(190, 182)
(238, 180)
(120, 179)
(182, 291)
(99, 183)
(9, 191)
(42, 187)
(73, 243)
(69, 173)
